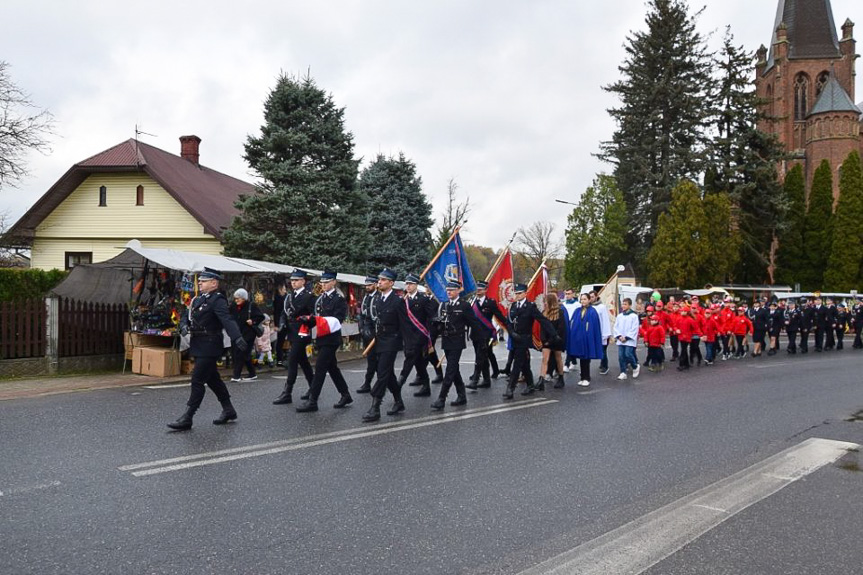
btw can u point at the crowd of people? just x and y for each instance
(578, 331)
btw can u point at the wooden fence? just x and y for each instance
(23, 329)
(91, 328)
(81, 328)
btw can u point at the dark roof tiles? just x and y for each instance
(810, 28)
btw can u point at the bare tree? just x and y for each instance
(538, 243)
(23, 127)
(453, 216)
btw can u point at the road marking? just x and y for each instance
(781, 363)
(225, 455)
(28, 488)
(167, 385)
(635, 547)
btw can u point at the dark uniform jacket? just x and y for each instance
(521, 320)
(821, 317)
(241, 314)
(454, 317)
(489, 309)
(423, 309)
(278, 308)
(807, 318)
(777, 321)
(832, 312)
(793, 320)
(760, 319)
(390, 321)
(842, 320)
(331, 304)
(207, 316)
(297, 304)
(366, 319)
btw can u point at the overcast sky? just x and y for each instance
(504, 96)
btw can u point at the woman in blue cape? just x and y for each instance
(585, 337)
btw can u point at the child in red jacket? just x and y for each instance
(740, 326)
(710, 329)
(685, 328)
(654, 337)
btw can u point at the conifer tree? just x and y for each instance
(745, 160)
(661, 134)
(676, 256)
(400, 216)
(843, 268)
(818, 229)
(307, 210)
(596, 233)
(791, 257)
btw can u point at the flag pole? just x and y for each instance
(536, 273)
(500, 258)
(440, 251)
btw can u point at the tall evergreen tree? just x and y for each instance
(307, 210)
(400, 217)
(846, 254)
(662, 121)
(695, 243)
(596, 233)
(745, 160)
(791, 257)
(818, 230)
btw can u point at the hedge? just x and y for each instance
(18, 284)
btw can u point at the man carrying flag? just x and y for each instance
(420, 309)
(449, 265)
(522, 316)
(485, 309)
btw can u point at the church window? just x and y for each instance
(103, 196)
(139, 196)
(821, 82)
(801, 97)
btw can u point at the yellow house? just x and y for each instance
(132, 190)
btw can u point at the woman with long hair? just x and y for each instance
(553, 347)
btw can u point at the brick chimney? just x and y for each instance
(189, 148)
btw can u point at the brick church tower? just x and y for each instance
(807, 81)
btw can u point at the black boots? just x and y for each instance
(365, 388)
(510, 389)
(344, 401)
(459, 400)
(439, 403)
(185, 421)
(308, 406)
(398, 407)
(424, 391)
(438, 375)
(286, 395)
(559, 383)
(228, 414)
(374, 412)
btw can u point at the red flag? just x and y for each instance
(536, 290)
(500, 282)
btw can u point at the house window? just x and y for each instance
(801, 97)
(103, 196)
(75, 258)
(139, 196)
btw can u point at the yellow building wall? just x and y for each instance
(79, 224)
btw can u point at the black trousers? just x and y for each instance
(726, 346)
(819, 339)
(386, 376)
(739, 350)
(840, 337)
(684, 354)
(792, 340)
(281, 335)
(416, 358)
(831, 340)
(327, 363)
(695, 351)
(482, 349)
(674, 343)
(520, 365)
(584, 369)
(492, 361)
(297, 358)
(242, 358)
(206, 373)
(452, 374)
(804, 340)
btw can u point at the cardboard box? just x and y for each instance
(158, 361)
(137, 355)
(132, 340)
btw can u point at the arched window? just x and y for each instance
(821, 82)
(139, 196)
(801, 97)
(103, 196)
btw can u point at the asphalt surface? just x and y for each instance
(493, 491)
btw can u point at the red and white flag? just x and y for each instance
(500, 282)
(536, 291)
(324, 324)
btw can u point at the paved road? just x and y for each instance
(93, 482)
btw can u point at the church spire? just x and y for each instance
(810, 29)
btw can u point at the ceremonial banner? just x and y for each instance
(450, 263)
(500, 281)
(536, 290)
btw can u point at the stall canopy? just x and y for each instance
(111, 281)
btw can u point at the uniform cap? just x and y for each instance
(482, 284)
(327, 276)
(210, 274)
(298, 275)
(412, 279)
(453, 284)
(371, 280)
(387, 274)
(519, 288)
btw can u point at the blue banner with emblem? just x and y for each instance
(450, 264)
